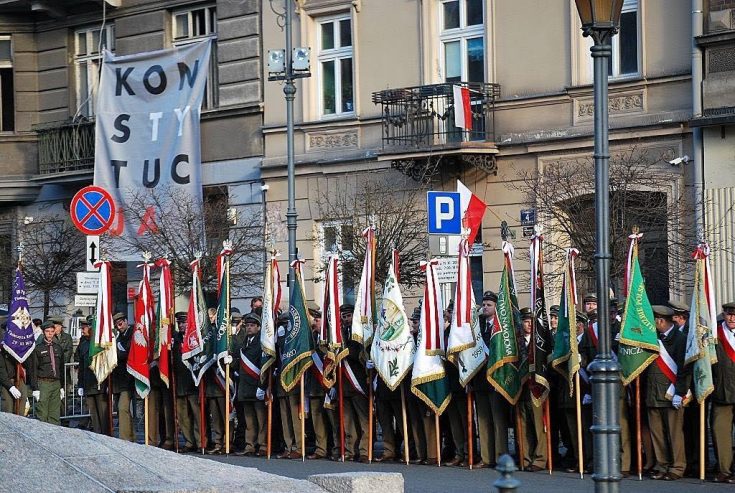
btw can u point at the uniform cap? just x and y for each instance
(589, 297)
(180, 317)
(678, 306)
(235, 315)
(526, 313)
(119, 316)
(582, 318)
(347, 308)
(489, 296)
(251, 318)
(554, 309)
(48, 324)
(662, 311)
(729, 307)
(84, 321)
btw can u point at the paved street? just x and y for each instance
(425, 479)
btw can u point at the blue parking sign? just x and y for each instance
(444, 213)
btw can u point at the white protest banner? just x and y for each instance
(147, 131)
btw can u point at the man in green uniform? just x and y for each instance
(532, 416)
(723, 397)
(665, 415)
(354, 391)
(94, 393)
(320, 418)
(236, 341)
(187, 394)
(46, 374)
(492, 408)
(456, 412)
(123, 383)
(288, 402)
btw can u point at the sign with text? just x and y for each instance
(148, 144)
(446, 270)
(88, 282)
(85, 300)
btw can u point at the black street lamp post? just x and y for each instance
(600, 20)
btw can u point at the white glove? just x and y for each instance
(61, 393)
(677, 401)
(332, 394)
(228, 359)
(617, 336)
(369, 364)
(587, 400)
(80, 392)
(260, 394)
(14, 392)
(36, 394)
(281, 331)
(579, 358)
(120, 347)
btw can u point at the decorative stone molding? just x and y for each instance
(332, 140)
(617, 104)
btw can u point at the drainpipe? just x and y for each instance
(697, 144)
(420, 7)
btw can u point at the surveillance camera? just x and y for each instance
(679, 160)
(264, 187)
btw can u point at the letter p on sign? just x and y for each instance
(444, 213)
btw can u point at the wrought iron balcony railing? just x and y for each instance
(65, 146)
(423, 116)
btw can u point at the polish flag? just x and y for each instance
(462, 109)
(472, 210)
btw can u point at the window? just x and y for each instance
(462, 40)
(335, 66)
(195, 25)
(7, 95)
(88, 46)
(624, 59)
(338, 237)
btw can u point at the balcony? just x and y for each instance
(65, 147)
(420, 138)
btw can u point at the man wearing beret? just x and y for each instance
(723, 396)
(94, 393)
(492, 408)
(187, 394)
(47, 366)
(123, 383)
(665, 414)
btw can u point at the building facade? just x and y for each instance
(380, 102)
(50, 61)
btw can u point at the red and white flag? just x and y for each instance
(331, 328)
(139, 359)
(271, 302)
(165, 323)
(462, 108)
(365, 317)
(472, 210)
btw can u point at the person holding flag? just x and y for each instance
(723, 394)
(533, 429)
(18, 343)
(428, 378)
(161, 405)
(354, 390)
(249, 393)
(187, 394)
(47, 365)
(94, 392)
(392, 353)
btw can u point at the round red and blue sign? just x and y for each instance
(92, 210)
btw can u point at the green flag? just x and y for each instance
(298, 346)
(565, 357)
(222, 333)
(700, 341)
(638, 336)
(505, 368)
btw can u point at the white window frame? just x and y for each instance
(628, 6)
(92, 59)
(211, 93)
(335, 55)
(324, 254)
(463, 33)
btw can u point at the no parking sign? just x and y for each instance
(92, 210)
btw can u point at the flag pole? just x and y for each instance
(202, 418)
(519, 438)
(302, 418)
(110, 403)
(371, 402)
(470, 435)
(580, 458)
(18, 386)
(438, 440)
(172, 370)
(547, 424)
(145, 418)
(701, 441)
(405, 425)
(269, 403)
(227, 365)
(341, 413)
(638, 427)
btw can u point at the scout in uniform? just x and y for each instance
(46, 374)
(456, 411)
(123, 383)
(248, 360)
(354, 391)
(532, 416)
(320, 415)
(288, 402)
(236, 342)
(94, 393)
(665, 415)
(723, 396)
(187, 394)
